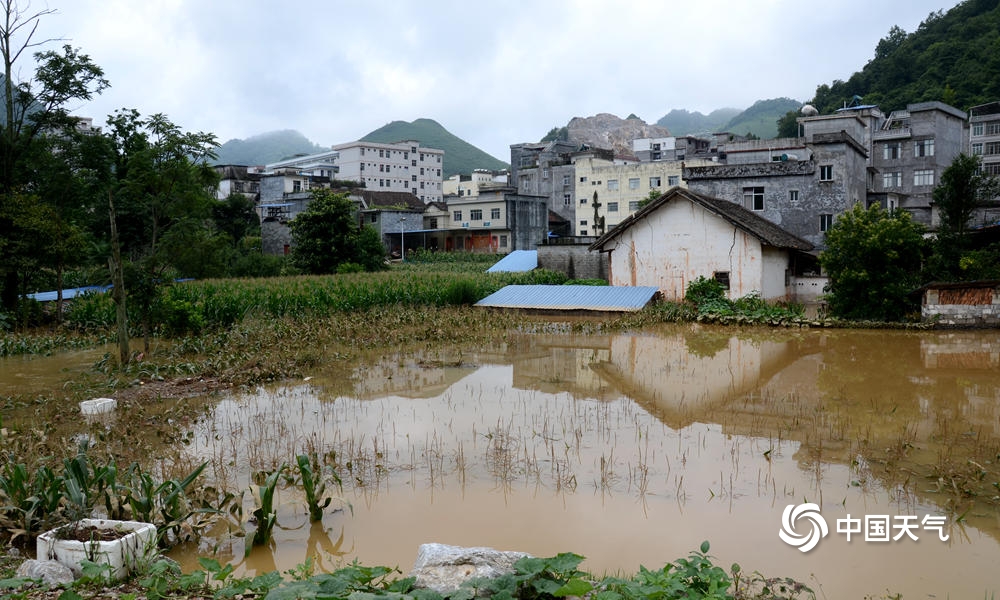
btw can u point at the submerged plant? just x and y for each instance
(265, 514)
(314, 485)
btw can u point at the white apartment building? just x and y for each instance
(399, 167)
(468, 185)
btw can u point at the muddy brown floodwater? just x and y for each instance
(631, 449)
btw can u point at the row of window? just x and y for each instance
(991, 128)
(894, 179)
(384, 153)
(476, 214)
(894, 150)
(383, 168)
(389, 182)
(987, 149)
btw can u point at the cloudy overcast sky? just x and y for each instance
(492, 73)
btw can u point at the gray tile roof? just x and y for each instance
(764, 230)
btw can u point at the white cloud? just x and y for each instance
(494, 73)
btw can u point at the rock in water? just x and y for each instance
(444, 568)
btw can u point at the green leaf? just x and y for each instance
(704, 547)
(574, 587)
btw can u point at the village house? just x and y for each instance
(683, 235)
(468, 185)
(404, 166)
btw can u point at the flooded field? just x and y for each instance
(634, 448)
(628, 448)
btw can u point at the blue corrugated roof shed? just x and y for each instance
(517, 261)
(571, 297)
(68, 294)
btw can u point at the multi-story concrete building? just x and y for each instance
(546, 169)
(399, 167)
(498, 219)
(238, 179)
(910, 151)
(607, 191)
(800, 184)
(984, 136)
(468, 185)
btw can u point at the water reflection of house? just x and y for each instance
(414, 377)
(684, 378)
(960, 350)
(563, 363)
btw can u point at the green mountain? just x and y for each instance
(459, 155)
(266, 148)
(953, 57)
(761, 119)
(681, 122)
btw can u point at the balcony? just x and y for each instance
(892, 134)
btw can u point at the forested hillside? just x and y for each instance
(953, 57)
(266, 148)
(459, 155)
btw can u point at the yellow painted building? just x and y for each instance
(620, 187)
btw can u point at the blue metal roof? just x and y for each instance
(571, 297)
(517, 261)
(68, 294)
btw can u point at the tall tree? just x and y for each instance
(33, 108)
(327, 235)
(873, 260)
(162, 198)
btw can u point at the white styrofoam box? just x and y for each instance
(137, 543)
(98, 406)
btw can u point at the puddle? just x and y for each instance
(633, 449)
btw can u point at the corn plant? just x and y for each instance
(314, 485)
(265, 514)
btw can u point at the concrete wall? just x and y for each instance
(678, 243)
(982, 307)
(574, 260)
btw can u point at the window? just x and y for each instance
(583, 222)
(503, 241)
(381, 182)
(923, 148)
(456, 216)
(406, 156)
(494, 213)
(673, 180)
(583, 180)
(381, 153)
(421, 170)
(633, 205)
(583, 200)
(923, 177)
(991, 148)
(373, 218)
(890, 151)
(421, 157)
(722, 277)
(825, 222)
(413, 177)
(891, 180)
(381, 168)
(565, 179)
(583, 232)
(612, 207)
(977, 149)
(476, 214)
(439, 172)
(753, 198)
(545, 173)
(613, 184)
(567, 199)
(826, 172)
(362, 166)
(793, 195)
(433, 223)
(977, 129)
(296, 186)
(439, 159)
(993, 128)
(654, 182)
(421, 185)
(633, 183)
(413, 162)
(362, 152)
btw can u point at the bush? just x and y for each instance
(703, 289)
